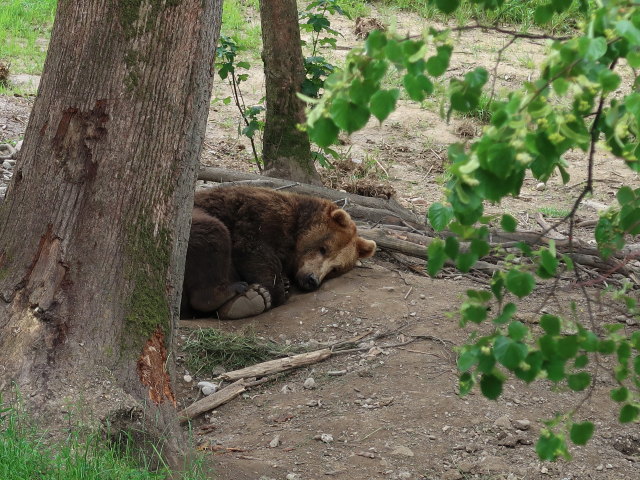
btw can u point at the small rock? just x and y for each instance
(188, 378)
(286, 389)
(309, 383)
(502, 422)
(541, 186)
(446, 428)
(326, 438)
(609, 466)
(7, 164)
(600, 467)
(275, 442)
(544, 470)
(402, 451)
(292, 476)
(522, 424)
(207, 388)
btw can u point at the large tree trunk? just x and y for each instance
(286, 151)
(94, 228)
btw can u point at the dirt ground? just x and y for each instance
(394, 412)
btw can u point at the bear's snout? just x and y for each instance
(310, 282)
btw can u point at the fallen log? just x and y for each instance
(376, 210)
(278, 365)
(212, 401)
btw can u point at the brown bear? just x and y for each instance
(247, 244)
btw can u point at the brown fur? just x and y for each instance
(243, 235)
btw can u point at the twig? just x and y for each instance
(408, 293)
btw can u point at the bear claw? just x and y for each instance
(255, 300)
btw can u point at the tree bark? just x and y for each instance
(94, 228)
(286, 150)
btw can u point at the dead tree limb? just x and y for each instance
(375, 210)
(278, 365)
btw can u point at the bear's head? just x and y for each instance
(329, 248)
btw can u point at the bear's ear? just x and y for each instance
(341, 217)
(366, 248)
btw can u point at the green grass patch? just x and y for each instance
(241, 21)
(208, 348)
(27, 453)
(25, 27)
(514, 12)
(554, 212)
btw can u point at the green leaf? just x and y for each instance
(543, 14)
(451, 247)
(440, 216)
(465, 383)
(530, 368)
(581, 432)
(436, 257)
(376, 41)
(628, 413)
(581, 361)
(629, 31)
(497, 286)
(636, 364)
(517, 330)
(508, 352)
(579, 381)
(447, 6)
(555, 369)
(549, 262)
(607, 347)
(568, 346)
(383, 102)
(591, 49)
(324, 132)
(465, 261)
(491, 386)
(550, 324)
(349, 116)
(620, 394)
(473, 312)
(416, 86)
(519, 283)
(550, 446)
(479, 248)
(507, 312)
(468, 359)
(508, 223)
(439, 63)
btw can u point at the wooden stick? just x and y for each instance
(278, 365)
(212, 401)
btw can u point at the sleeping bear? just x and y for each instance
(247, 244)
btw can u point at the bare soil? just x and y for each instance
(395, 412)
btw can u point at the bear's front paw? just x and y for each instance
(255, 300)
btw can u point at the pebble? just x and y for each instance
(600, 467)
(188, 378)
(207, 388)
(310, 383)
(502, 422)
(292, 476)
(544, 470)
(326, 438)
(402, 451)
(522, 424)
(541, 186)
(275, 442)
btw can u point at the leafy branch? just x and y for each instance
(573, 104)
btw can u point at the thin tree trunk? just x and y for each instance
(94, 228)
(286, 150)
